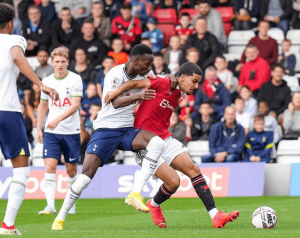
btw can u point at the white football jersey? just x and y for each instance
(109, 117)
(67, 87)
(9, 100)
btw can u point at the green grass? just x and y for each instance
(186, 217)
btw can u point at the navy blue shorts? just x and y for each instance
(105, 141)
(56, 144)
(13, 137)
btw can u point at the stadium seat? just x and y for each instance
(292, 82)
(38, 163)
(198, 149)
(232, 57)
(191, 11)
(168, 30)
(288, 152)
(226, 14)
(165, 15)
(237, 40)
(294, 36)
(276, 34)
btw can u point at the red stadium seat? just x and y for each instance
(225, 12)
(168, 30)
(165, 15)
(227, 27)
(191, 11)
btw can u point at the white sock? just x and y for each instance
(213, 212)
(50, 189)
(72, 180)
(155, 148)
(73, 194)
(16, 194)
(153, 203)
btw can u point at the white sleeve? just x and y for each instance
(17, 40)
(112, 80)
(77, 87)
(230, 79)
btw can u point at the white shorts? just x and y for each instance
(173, 148)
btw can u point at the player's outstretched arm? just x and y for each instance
(42, 111)
(144, 83)
(23, 65)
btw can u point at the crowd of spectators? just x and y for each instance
(251, 103)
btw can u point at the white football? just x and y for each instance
(264, 218)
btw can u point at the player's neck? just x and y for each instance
(129, 70)
(6, 30)
(61, 75)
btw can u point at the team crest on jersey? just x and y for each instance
(67, 90)
(264, 139)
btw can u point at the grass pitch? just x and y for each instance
(186, 217)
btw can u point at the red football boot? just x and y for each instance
(157, 215)
(8, 230)
(221, 218)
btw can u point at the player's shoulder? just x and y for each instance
(16, 40)
(74, 75)
(117, 70)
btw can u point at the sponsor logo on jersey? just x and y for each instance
(164, 103)
(78, 90)
(61, 102)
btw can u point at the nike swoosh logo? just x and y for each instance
(72, 159)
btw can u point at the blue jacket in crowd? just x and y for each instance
(48, 13)
(157, 39)
(139, 8)
(220, 100)
(222, 139)
(87, 102)
(259, 144)
(252, 6)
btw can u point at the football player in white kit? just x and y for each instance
(13, 138)
(114, 130)
(62, 132)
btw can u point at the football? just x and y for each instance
(264, 218)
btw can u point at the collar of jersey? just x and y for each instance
(62, 77)
(124, 68)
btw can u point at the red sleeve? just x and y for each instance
(243, 59)
(242, 78)
(114, 28)
(160, 84)
(138, 29)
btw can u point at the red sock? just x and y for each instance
(7, 227)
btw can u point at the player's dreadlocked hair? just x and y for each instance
(189, 69)
(140, 50)
(7, 14)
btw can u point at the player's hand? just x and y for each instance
(40, 137)
(111, 95)
(253, 158)
(174, 81)
(52, 125)
(146, 94)
(50, 91)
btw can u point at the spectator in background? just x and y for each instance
(21, 8)
(244, 11)
(120, 26)
(250, 102)
(277, 12)
(226, 140)
(147, 42)
(84, 140)
(177, 128)
(243, 118)
(48, 10)
(45, 69)
(214, 92)
(184, 29)
(271, 124)
(214, 22)
(82, 67)
(28, 123)
(139, 10)
(224, 74)
(64, 30)
(117, 53)
(259, 143)
(296, 14)
(158, 66)
(205, 42)
(186, 105)
(255, 72)
(32, 101)
(36, 31)
(192, 55)
(267, 46)
(80, 9)
(107, 63)
(223, 3)
(89, 98)
(154, 34)
(173, 56)
(287, 59)
(291, 118)
(111, 8)
(200, 126)
(164, 4)
(88, 122)
(94, 47)
(101, 23)
(275, 92)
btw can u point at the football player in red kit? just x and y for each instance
(154, 115)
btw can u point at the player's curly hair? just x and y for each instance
(189, 69)
(7, 14)
(140, 50)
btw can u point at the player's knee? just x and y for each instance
(156, 144)
(174, 183)
(195, 169)
(72, 173)
(50, 168)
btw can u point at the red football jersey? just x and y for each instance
(154, 115)
(179, 30)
